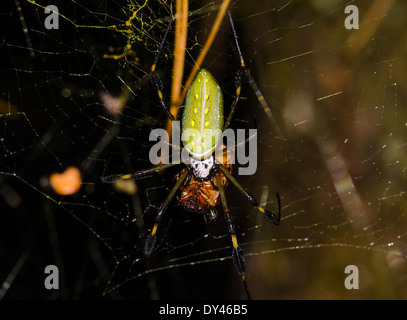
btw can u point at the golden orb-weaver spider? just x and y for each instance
(202, 182)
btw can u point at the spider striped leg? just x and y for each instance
(151, 237)
(239, 76)
(155, 78)
(237, 252)
(138, 174)
(270, 216)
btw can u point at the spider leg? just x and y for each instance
(155, 78)
(151, 237)
(187, 181)
(213, 184)
(270, 216)
(138, 174)
(239, 76)
(237, 252)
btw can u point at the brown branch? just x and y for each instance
(181, 29)
(208, 44)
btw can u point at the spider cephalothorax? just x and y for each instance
(201, 168)
(200, 192)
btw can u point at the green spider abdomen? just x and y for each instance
(202, 120)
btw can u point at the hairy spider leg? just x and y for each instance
(151, 237)
(156, 81)
(237, 252)
(155, 78)
(240, 74)
(138, 174)
(270, 216)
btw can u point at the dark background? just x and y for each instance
(334, 149)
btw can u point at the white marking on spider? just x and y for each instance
(201, 168)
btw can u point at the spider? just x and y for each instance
(203, 180)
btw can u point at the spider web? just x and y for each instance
(331, 142)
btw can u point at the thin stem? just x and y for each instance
(208, 44)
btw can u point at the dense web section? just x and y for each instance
(329, 107)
